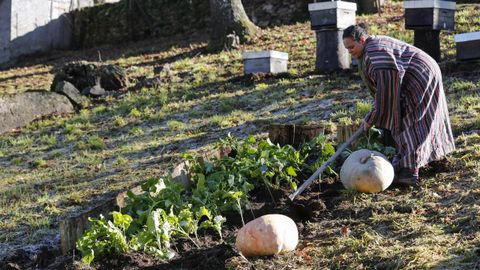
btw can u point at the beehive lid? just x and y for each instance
(465, 37)
(429, 4)
(265, 54)
(332, 5)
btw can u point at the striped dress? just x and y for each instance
(408, 99)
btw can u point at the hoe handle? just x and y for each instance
(324, 165)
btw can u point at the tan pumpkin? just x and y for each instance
(267, 235)
(367, 171)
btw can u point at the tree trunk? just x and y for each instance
(229, 24)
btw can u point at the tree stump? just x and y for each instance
(294, 135)
(73, 227)
(344, 132)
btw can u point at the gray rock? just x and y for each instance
(85, 74)
(94, 91)
(19, 110)
(71, 92)
(151, 82)
(113, 77)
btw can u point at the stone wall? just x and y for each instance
(37, 26)
(31, 26)
(136, 20)
(121, 22)
(5, 8)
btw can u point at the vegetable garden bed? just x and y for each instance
(196, 221)
(254, 179)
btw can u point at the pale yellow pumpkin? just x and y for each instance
(267, 235)
(367, 171)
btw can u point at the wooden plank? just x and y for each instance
(73, 227)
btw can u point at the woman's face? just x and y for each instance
(355, 48)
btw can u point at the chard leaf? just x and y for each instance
(201, 181)
(291, 171)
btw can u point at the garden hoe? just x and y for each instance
(324, 165)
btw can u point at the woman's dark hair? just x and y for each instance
(356, 31)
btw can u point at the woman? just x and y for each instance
(409, 100)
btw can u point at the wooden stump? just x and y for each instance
(294, 135)
(73, 227)
(344, 132)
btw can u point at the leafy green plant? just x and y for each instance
(317, 152)
(372, 141)
(462, 85)
(175, 125)
(136, 131)
(135, 112)
(261, 86)
(49, 140)
(264, 162)
(361, 109)
(104, 237)
(95, 143)
(39, 163)
(165, 210)
(226, 104)
(22, 141)
(119, 121)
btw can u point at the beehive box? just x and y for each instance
(332, 15)
(468, 46)
(265, 62)
(429, 14)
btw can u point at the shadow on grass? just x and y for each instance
(113, 52)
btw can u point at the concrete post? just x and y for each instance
(428, 41)
(331, 54)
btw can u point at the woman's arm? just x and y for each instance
(385, 109)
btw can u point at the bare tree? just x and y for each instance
(229, 24)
